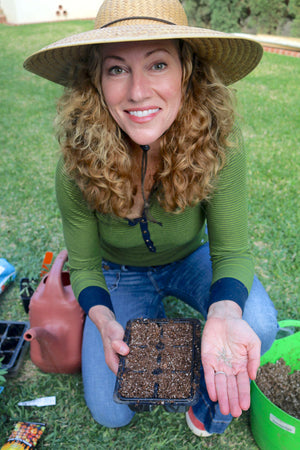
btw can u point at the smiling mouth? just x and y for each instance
(145, 113)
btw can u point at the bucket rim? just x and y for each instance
(289, 323)
(282, 324)
(271, 404)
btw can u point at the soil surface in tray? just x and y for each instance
(280, 386)
(160, 361)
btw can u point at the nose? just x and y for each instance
(139, 87)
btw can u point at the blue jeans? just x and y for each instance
(138, 292)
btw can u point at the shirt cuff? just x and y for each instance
(228, 289)
(92, 296)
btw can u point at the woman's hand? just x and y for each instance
(112, 334)
(230, 356)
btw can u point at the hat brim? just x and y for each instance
(232, 57)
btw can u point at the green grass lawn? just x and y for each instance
(30, 225)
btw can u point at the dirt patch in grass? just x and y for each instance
(28, 371)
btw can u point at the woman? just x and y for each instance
(151, 159)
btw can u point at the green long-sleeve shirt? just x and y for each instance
(90, 235)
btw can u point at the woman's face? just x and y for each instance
(141, 84)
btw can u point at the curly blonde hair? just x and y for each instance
(193, 150)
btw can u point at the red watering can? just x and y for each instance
(56, 322)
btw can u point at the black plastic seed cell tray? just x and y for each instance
(163, 365)
(12, 343)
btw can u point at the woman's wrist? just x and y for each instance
(100, 315)
(225, 309)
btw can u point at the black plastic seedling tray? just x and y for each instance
(12, 344)
(161, 369)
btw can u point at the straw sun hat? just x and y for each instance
(142, 20)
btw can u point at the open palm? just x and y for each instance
(229, 346)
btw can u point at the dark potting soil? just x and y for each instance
(160, 361)
(280, 386)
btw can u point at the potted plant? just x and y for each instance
(27, 288)
(29, 284)
(3, 372)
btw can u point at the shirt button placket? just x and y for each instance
(146, 234)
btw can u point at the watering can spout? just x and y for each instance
(40, 334)
(49, 351)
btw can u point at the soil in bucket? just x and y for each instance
(277, 427)
(280, 386)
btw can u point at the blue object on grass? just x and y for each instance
(7, 274)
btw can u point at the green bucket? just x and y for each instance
(273, 428)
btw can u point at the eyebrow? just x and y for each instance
(151, 52)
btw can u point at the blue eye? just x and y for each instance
(159, 66)
(116, 70)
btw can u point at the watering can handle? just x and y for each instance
(54, 281)
(289, 323)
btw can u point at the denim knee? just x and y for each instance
(111, 417)
(261, 315)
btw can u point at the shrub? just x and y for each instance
(267, 15)
(263, 16)
(228, 16)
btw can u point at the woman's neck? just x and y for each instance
(153, 154)
(153, 167)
